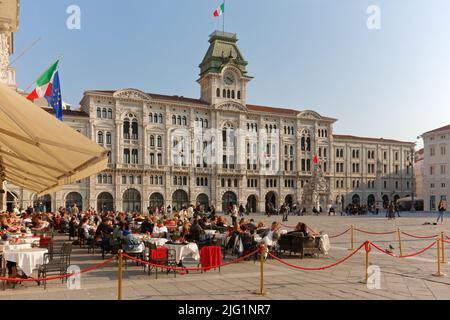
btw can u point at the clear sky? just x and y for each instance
(304, 54)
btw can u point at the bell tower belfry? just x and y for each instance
(223, 74)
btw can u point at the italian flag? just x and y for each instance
(44, 84)
(220, 10)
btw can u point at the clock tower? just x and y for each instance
(223, 74)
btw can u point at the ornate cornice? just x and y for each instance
(230, 106)
(132, 95)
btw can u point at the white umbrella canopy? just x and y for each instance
(39, 152)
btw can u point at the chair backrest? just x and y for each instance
(159, 253)
(44, 241)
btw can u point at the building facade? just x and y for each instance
(436, 167)
(219, 149)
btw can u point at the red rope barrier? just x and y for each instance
(381, 250)
(375, 233)
(191, 269)
(57, 277)
(319, 268)
(446, 241)
(419, 252)
(338, 235)
(419, 237)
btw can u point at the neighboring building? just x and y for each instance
(161, 147)
(418, 173)
(371, 171)
(436, 167)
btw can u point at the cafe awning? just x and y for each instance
(39, 152)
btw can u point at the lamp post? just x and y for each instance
(411, 164)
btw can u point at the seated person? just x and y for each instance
(196, 231)
(105, 226)
(251, 225)
(147, 226)
(270, 236)
(308, 232)
(297, 229)
(130, 242)
(87, 230)
(204, 224)
(4, 223)
(160, 230)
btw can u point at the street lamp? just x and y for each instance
(411, 164)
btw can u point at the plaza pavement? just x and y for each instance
(400, 278)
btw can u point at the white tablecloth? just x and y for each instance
(26, 259)
(14, 247)
(20, 235)
(29, 240)
(184, 250)
(159, 242)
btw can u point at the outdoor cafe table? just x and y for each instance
(29, 240)
(159, 242)
(21, 235)
(184, 250)
(14, 247)
(26, 259)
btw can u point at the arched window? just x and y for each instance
(218, 93)
(291, 150)
(239, 95)
(155, 118)
(99, 179)
(180, 181)
(150, 116)
(109, 179)
(126, 129)
(179, 120)
(104, 114)
(174, 120)
(134, 129)
(232, 94)
(105, 179)
(228, 94)
(201, 122)
(100, 137)
(224, 93)
(108, 138)
(135, 156)
(99, 113)
(184, 121)
(109, 113)
(152, 141)
(206, 123)
(126, 156)
(160, 118)
(184, 181)
(159, 142)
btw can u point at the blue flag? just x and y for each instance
(55, 100)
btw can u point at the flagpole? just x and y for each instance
(224, 6)
(31, 84)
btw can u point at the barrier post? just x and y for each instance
(352, 238)
(119, 293)
(400, 246)
(262, 253)
(443, 247)
(368, 248)
(439, 273)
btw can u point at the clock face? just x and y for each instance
(229, 78)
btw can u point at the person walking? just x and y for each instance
(284, 210)
(441, 208)
(234, 214)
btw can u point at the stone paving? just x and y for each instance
(410, 278)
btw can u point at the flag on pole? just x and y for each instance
(44, 83)
(316, 159)
(220, 10)
(55, 100)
